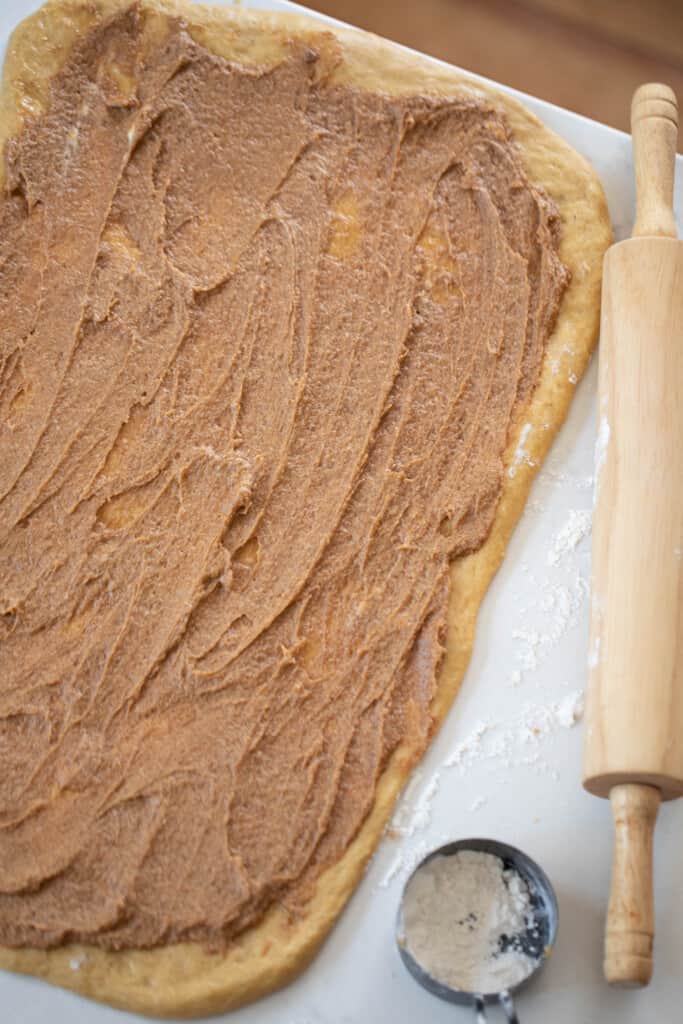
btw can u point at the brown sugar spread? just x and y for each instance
(263, 337)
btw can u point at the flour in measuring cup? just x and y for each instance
(463, 917)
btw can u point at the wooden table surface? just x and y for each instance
(585, 55)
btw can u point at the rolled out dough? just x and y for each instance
(185, 980)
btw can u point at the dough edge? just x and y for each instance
(184, 980)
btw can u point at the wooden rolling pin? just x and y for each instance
(633, 749)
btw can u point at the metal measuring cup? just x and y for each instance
(536, 940)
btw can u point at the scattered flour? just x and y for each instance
(519, 741)
(521, 455)
(557, 609)
(554, 601)
(570, 709)
(468, 750)
(404, 862)
(412, 815)
(76, 962)
(464, 920)
(577, 526)
(594, 653)
(528, 649)
(601, 443)
(551, 475)
(517, 744)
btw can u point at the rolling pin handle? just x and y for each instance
(654, 127)
(630, 915)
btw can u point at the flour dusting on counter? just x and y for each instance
(517, 742)
(414, 810)
(469, 749)
(500, 746)
(577, 526)
(601, 443)
(552, 601)
(404, 862)
(556, 610)
(521, 454)
(570, 709)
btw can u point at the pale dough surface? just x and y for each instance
(184, 980)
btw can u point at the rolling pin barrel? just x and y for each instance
(633, 750)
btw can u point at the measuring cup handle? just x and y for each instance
(505, 1000)
(480, 1009)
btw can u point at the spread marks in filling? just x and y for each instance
(262, 340)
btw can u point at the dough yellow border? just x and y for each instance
(184, 980)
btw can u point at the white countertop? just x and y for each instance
(488, 773)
